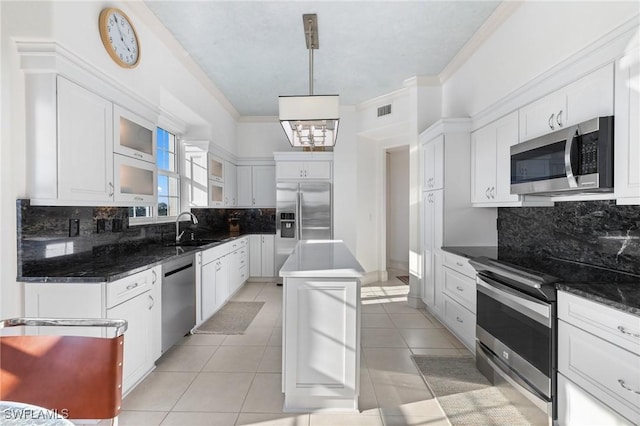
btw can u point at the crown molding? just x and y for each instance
(446, 125)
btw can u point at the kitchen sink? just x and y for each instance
(192, 243)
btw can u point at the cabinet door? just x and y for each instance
(245, 186)
(317, 170)
(428, 271)
(133, 136)
(255, 255)
(590, 97)
(268, 255)
(627, 130)
(433, 160)
(264, 186)
(85, 144)
(506, 134)
(543, 116)
(483, 156)
(155, 331)
(216, 168)
(136, 362)
(208, 302)
(230, 185)
(216, 194)
(234, 271)
(222, 281)
(289, 170)
(135, 180)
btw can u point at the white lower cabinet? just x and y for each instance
(459, 298)
(223, 271)
(135, 299)
(262, 255)
(599, 356)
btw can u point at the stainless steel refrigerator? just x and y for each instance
(303, 212)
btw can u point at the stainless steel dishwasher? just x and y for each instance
(178, 300)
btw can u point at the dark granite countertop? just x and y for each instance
(618, 290)
(106, 264)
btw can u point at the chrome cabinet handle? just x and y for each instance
(155, 276)
(459, 288)
(254, 201)
(110, 189)
(132, 286)
(138, 198)
(459, 264)
(625, 387)
(558, 119)
(136, 154)
(152, 302)
(628, 333)
(459, 320)
(486, 193)
(550, 121)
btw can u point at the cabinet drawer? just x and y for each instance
(126, 288)
(605, 370)
(459, 264)
(214, 253)
(244, 273)
(460, 321)
(613, 325)
(461, 288)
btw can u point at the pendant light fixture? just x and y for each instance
(310, 121)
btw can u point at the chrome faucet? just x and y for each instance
(179, 234)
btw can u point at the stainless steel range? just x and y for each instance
(516, 332)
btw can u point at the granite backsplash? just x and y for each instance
(599, 233)
(45, 232)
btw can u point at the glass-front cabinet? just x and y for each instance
(135, 181)
(133, 136)
(216, 168)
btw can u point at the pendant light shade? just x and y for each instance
(310, 120)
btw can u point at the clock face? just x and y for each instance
(119, 37)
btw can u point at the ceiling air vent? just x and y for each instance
(384, 110)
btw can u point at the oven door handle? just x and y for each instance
(537, 311)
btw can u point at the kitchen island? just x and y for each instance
(321, 328)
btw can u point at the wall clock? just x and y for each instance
(119, 37)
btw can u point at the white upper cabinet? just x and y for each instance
(298, 170)
(133, 136)
(135, 181)
(230, 185)
(84, 149)
(256, 186)
(491, 162)
(433, 163)
(588, 97)
(627, 129)
(216, 168)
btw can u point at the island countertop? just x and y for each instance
(321, 258)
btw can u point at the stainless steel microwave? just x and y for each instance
(576, 159)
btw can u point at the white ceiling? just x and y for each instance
(254, 51)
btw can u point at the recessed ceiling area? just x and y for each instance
(255, 51)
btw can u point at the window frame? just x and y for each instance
(154, 217)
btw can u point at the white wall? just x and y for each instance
(260, 138)
(536, 37)
(161, 78)
(397, 204)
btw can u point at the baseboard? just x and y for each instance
(398, 265)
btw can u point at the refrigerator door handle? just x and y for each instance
(299, 213)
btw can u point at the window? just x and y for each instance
(168, 177)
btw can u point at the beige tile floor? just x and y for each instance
(235, 380)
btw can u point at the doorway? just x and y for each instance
(397, 211)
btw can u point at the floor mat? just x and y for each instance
(464, 394)
(403, 278)
(232, 318)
